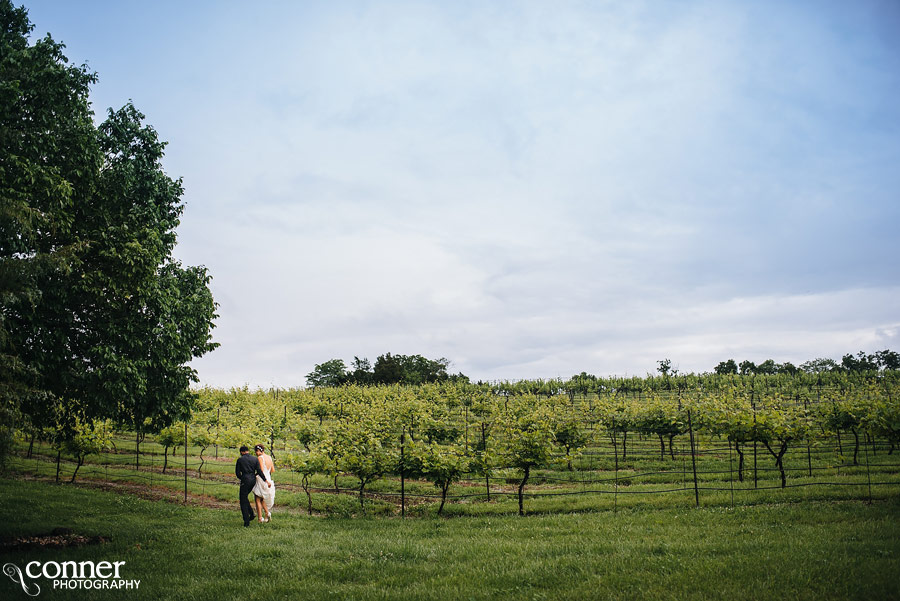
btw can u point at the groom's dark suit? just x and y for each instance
(246, 469)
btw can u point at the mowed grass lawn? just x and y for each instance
(812, 550)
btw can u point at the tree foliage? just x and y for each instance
(330, 373)
(861, 362)
(388, 369)
(95, 312)
(727, 367)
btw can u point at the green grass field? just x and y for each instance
(812, 550)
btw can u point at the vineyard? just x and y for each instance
(584, 444)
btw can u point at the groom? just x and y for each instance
(246, 469)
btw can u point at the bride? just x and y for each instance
(264, 492)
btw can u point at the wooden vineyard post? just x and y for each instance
(868, 474)
(615, 473)
(466, 407)
(487, 477)
(753, 405)
(403, 474)
(218, 409)
(731, 472)
(808, 447)
(693, 460)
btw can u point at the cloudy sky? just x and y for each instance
(529, 189)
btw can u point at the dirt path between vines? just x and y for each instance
(144, 491)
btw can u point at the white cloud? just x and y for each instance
(527, 189)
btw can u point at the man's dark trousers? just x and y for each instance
(246, 510)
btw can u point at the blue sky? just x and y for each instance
(529, 189)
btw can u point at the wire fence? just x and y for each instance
(708, 469)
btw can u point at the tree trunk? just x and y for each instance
(165, 458)
(58, 456)
(444, 488)
(737, 447)
(31, 444)
(856, 446)
(780, 464)
(779, 460)
(522, 488)
(78, 465)
(304, 482)
(672, 447)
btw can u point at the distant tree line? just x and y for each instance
(416, 369)
(388, 369)
(862, 361)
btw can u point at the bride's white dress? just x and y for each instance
(262, 489)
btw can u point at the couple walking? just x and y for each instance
(255, 474)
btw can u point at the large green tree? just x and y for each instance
(727, 367)
(94, 312)
(388, 369)
(48, 152)
(409, 369)
(330, 373)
